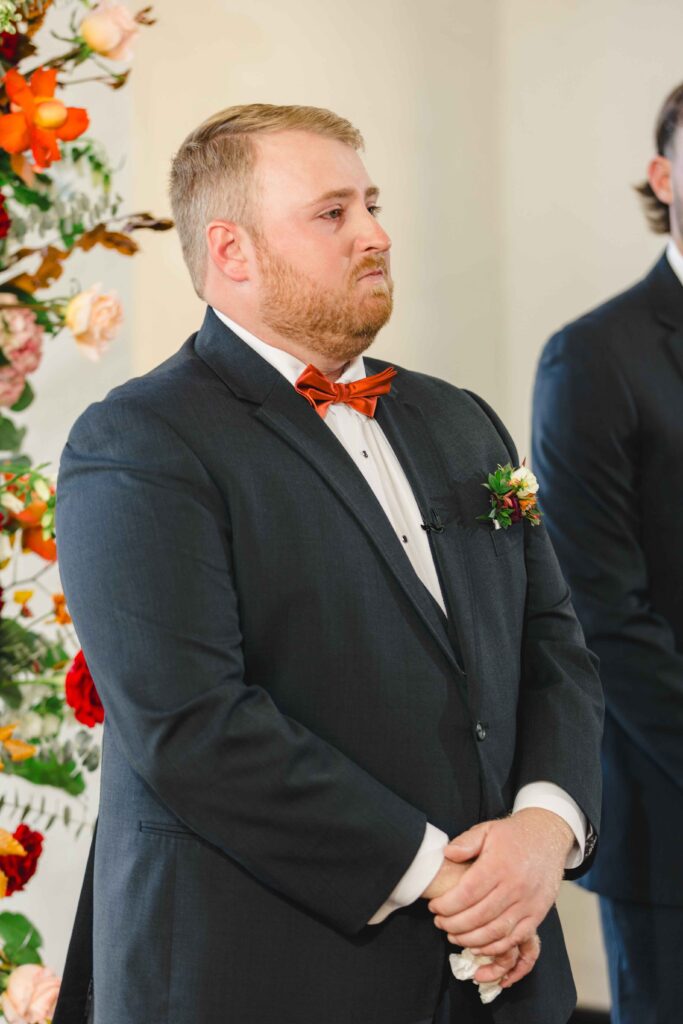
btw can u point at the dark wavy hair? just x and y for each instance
(668, 120)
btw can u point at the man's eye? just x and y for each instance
(331, 212)
(374, 210)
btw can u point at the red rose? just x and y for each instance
(9, 46)
(81, 694)
(20, 869)
(5, 220)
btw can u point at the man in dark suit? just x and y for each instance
(608, 450)
(317, 664)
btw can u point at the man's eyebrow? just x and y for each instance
(345, 193)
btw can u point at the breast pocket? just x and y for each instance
(169, 829)
(506, 542)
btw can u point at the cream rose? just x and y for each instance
(110, 29)
(31, 995)
(523, 478)
(94, 320)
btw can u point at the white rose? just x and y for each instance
(524, 479)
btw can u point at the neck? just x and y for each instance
(331, 366)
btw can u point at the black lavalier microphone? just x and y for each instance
(435, 526)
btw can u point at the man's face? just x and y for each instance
(323, 259)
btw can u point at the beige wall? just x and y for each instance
(505, 136)
(580, 84)
(417, 79)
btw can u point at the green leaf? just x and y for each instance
(21, 940)
(49, 772)
(11, 694)
(11, 437)
(70, 233)
(29, 197)
(25, 398)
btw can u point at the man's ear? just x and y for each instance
(225, 241)
(659, 176)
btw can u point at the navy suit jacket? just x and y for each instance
(286, 704)
(608, 451)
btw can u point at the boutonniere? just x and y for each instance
(513, 496)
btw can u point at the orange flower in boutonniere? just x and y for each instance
(513, 497)
(38, 118)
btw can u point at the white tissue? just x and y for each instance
(465, 965)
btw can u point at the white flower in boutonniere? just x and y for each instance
(513, 496)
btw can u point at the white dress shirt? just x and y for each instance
(675, 258)
(366, 443)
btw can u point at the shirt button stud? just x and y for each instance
(480, 731)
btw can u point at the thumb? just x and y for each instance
(468, 844)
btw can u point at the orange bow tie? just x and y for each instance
(359, 394)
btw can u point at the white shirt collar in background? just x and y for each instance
(675, 258)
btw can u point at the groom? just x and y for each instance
(318, 665)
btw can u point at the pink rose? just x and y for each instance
(21, 336)
(31, 995)
(110, 29)
(11, 385)
(94, 320)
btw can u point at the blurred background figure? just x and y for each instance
(607, 449)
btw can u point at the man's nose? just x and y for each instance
(372, 235)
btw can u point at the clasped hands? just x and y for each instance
(497, 882)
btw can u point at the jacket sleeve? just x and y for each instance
(587, 456)
(561, 707)
(143, 541)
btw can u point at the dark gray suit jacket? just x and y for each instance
(286, 704)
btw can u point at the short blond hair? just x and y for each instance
(212, 172)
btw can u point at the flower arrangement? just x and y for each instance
(56, 200)
(513, 497)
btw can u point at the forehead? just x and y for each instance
(297, 166)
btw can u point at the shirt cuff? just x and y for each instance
(422, 871)
(553, 798)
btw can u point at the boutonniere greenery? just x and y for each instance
(513, 497)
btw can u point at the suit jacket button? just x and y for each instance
(480, 731)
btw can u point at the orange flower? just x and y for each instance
(38, 119)
(32, 534)
(61, 614)
(17, 749)
(32, 540)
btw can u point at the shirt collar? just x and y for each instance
(675, 258)
(288, 364)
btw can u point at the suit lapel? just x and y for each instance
(407, 431)
(281, 409)
(666, 292)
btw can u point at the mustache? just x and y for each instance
(370, 263)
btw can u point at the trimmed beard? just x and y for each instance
(339, 325)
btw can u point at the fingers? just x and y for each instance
(468, 844)
(529, 953)
(503, 931)
(524, 931)
(487, 910)
(501, 966)
(474, 887)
